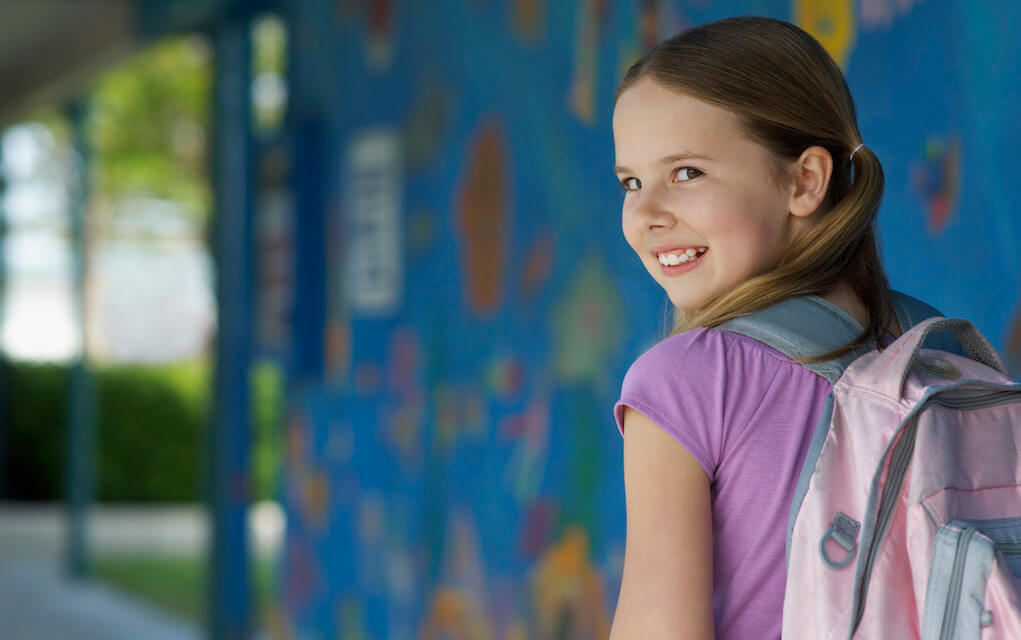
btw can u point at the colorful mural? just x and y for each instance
(457, 473)
(832, 22)
(482, 214)
(936, 179)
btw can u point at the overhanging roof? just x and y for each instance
(48, 50)
(51, 49)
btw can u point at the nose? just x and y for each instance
(650, 210)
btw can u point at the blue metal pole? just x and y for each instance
(309, 81)
(230, 615)
(81, 424)
(5, 380)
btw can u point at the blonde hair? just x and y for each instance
(789, 95)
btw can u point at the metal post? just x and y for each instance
(5, 380)
(80, 420)
(229, 615)
(309, 100)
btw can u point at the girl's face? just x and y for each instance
(698, 194)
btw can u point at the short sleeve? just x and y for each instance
(702, 387)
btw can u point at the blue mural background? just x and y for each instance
(457, 472)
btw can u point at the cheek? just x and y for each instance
(627, 225)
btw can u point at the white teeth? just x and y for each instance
(672, 259)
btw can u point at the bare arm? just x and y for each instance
(666, 588)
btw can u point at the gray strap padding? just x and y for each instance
(812, 326)
(800, 327)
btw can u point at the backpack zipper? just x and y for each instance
(956, 578)
(900, 459)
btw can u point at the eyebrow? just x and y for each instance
(684, 155)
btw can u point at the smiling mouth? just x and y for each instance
(681, 256)
(681, 264)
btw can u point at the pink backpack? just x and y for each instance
(907, 518)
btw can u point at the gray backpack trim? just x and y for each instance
(812, 326)
(800, 327)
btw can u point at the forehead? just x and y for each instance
(651, 121)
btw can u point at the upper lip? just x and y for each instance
(674, 248)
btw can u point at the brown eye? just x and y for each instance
(690, 172)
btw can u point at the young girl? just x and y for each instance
(746, 183)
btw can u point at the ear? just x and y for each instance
(810, 180)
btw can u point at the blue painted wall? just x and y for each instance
(454, 471)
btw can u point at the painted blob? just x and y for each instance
(350, 613)
(935, 178)
(537, 531)
(581, 93)
(876, 14)
(422, 232)
(315, 499)
(474, 411)
(506, 376)
(538, 264)
(445, 419)
(338, 348)
(296, 439)
(457, 609)
(302, 580)
(587, 323)
(379, 34)
(568, 590)
(831, 22)
(429, 125)
(403, 426)
(371, 527)
(482, 218)
(528, 19)
(403, 360)
(657, 20)
(526, 469)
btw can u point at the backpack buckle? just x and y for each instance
(844, 531)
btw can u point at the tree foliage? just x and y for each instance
(150, 126)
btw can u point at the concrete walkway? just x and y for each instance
(38, 602)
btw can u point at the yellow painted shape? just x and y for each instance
(831, 22)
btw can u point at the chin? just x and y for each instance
(688, 303)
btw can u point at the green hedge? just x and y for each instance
(152, 426)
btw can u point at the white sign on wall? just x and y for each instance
(375, 184)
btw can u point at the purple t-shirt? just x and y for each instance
(746, 413)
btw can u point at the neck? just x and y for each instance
(843, 295)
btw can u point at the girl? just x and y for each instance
(746, 183)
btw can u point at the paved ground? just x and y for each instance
(37, 601)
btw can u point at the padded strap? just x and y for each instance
(812, 326)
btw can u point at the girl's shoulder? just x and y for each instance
(709, 347)
(710, 365)
(706, 386)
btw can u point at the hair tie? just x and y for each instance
(855, 151)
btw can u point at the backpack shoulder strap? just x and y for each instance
(811, 325)
(801, 327)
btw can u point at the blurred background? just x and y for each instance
(314, 311)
